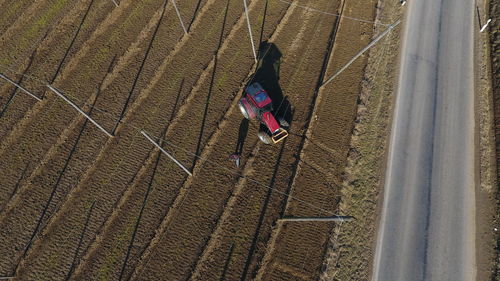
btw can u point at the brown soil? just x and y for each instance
(494, 194)
(486, 205)
(98, 208)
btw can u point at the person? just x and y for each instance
(236, 158)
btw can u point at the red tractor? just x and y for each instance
(256, 104)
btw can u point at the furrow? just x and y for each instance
(54, 116)
(11, 11)
(126, 144)
(52, 152)
(195, 211)
(247, 220)
(334, 112)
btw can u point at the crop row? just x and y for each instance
(146, 214)
(121, 172)
(45, 63)
(192, 113)
(302, 246)
(49, 177)
(247, 221)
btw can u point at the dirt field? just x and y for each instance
(78, 205)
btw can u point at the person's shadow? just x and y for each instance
(242, 135)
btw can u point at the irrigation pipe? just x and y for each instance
(361, 52)
(323, 219)
(166, 153)
(250, 31)
(20, 87)
(79, 110)
(179, 15)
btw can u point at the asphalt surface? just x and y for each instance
(427, 227)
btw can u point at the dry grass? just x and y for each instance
(494, 12)
(352, 244)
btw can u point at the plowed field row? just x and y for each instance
(152, 106)
(33, 118)
(301, 246)
(48, 178)
(99, 208)
(246, 224)
(37, 17)
(50, 47)
(238, 74)
(124, 222)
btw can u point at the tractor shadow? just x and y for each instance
(268, 75)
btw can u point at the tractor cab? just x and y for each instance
(256, 104)
(259, 97)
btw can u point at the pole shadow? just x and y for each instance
(262, 28)
(80, 243)
(226, 265)
(138, 75)
(194, 15)
(210, 88)
(71, 43)
(15, 90)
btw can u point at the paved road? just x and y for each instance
(427, 228)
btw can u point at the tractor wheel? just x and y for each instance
(265, 137)
(243, 110)
(283, 123)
